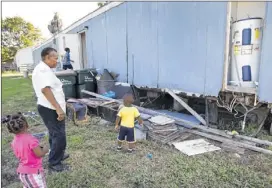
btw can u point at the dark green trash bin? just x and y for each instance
(68, 79)
(86, 80)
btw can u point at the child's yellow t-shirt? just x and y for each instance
(128, 115)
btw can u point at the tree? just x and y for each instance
(55, 25)
(101, 4)
(17, 34)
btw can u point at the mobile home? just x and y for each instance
(215, 50)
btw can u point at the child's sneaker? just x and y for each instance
(119, 148)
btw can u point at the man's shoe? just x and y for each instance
(65, 156)
(58, 168)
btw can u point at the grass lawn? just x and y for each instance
(95, 164)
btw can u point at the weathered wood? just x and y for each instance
(232, 142)
(106, 103)
(229, 147)
(203, 128)
(251, 139)
(183, 136)
(165, 130)
(172, 138)
(181, 122)
(207, 111)
(186, 106)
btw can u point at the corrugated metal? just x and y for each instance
(265, 76)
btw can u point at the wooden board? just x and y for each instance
(186, 106)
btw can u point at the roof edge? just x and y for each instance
(89, 16)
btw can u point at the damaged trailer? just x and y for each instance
(213, 52)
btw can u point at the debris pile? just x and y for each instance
(168, 129)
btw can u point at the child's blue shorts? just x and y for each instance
(126, 132)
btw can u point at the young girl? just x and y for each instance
(27, 149)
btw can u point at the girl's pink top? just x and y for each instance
(23, 145)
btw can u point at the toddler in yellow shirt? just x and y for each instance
(127, 115)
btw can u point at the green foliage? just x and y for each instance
(17, 34)
(101, 4)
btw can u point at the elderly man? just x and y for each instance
(51, 106)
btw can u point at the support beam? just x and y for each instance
(186, 124)
(181, 122)
(251, 139)
(231, 142)
(186, 106)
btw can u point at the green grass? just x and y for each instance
(95, 164)
(11, 74)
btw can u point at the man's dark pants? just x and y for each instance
(57, 135)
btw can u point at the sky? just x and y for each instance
(41, 13)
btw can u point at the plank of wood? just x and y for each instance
(227, 146)
(251, 139)
(108, 102)
(231, 142)
(165, 130)
(171, 138)
(186, 106)
(184, 123)
(181, 122)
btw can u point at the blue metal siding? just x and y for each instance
(116, 41)
(191, 46)
(142, 43)
(177, 45)
(89, 46)
(37, 52)
(216, 36)
(265, 75)
(99, 41)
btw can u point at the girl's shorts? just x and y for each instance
(33, 180)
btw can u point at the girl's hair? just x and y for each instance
(15, 123)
